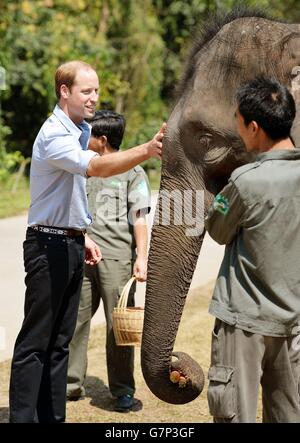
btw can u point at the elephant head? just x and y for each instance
(201, 149)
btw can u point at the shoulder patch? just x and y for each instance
(142, 188)
(221, 204)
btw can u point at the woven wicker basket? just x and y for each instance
(127, 321)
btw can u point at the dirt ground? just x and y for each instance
(193, 337)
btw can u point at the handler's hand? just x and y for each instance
(155, 145)
(92, 252)
(140, 269)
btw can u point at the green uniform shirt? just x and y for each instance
(257, 216)
(112, 204)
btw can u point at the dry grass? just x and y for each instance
(193, 338)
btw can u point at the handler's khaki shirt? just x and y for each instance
(113, 203)
(257, 216)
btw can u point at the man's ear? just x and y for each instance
(254, 127)
(64, 91)
(103, 140)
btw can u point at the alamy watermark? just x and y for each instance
(182, 208)
(176, 208)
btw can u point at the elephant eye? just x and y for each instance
(204, 140)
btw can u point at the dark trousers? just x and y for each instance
(54, 268)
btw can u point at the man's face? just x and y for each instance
(83, 96)
(96, 145)
(100, 145)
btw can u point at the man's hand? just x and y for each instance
(155, 145)
(92, 252)
(140, 269)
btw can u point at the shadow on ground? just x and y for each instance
(100, 395)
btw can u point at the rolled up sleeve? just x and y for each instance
(63, 153)
(139, 192)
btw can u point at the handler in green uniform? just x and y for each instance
(256, 300)
(118, 206)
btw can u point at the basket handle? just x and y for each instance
(122, 303)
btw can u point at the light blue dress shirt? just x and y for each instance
(58, 173)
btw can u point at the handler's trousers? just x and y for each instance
(54, 267)
(240, 362)
(103, 281)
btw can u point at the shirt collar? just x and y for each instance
(85, 134)
(279, 154)
(70, 126)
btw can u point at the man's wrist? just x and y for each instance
(141, 256)
(145, 150)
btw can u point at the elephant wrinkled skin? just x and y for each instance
(201, 149)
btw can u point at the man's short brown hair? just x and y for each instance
(66, 73)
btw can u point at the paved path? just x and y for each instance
(12, 233)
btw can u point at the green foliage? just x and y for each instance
(36, 39)
(14, 202)
(8, 163)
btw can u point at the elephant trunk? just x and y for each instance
(173, 377)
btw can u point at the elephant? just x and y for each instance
(201, 148)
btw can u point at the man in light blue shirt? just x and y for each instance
(56, 246)
(58, 170)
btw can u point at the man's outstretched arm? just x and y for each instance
(116, 163)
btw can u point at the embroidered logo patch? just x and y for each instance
(142, 188)
(221, 204)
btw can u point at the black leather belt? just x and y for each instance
(58, 231)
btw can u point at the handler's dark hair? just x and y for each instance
(270, 104)
(108, 123)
